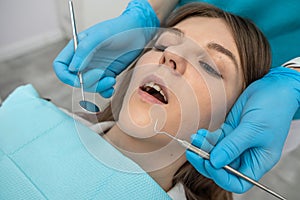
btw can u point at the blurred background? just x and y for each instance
(33, 32)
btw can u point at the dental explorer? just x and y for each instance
(84, 104)
(206, 156)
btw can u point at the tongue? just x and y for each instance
(156, 94)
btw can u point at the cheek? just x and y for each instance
(150, 57)
(232, 95)
(233, 80)
(211, 98)
(234, 87)
(203, 99)
(139, 112)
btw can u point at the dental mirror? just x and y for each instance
(84, 104)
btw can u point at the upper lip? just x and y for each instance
(157, 81)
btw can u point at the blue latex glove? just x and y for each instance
(107, 48)
(253, 135)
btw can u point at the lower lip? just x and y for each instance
(148, 98)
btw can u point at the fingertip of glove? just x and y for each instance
(218, 158)
(72, 68)
(82, 35)
(108, 93)
(75, 64)
(110, 80)
(193, 137)
(202, 132)
(197, 139)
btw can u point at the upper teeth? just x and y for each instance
(156, 87)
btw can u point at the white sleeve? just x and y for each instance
(293, 63)
(177, 192)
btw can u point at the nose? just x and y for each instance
(174, 61)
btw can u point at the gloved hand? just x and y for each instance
(253, 135)
(107, 48)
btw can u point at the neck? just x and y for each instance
(125, 143)
(164, 176)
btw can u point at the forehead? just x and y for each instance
(204, 30)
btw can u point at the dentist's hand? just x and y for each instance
(107, 48)
(253, 135)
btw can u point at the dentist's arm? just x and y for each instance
(163, 8)
(252, 137)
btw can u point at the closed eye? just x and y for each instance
(210, 70)
(167, 38)
(159, 47)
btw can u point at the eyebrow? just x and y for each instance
(173, 30)
(223, 50)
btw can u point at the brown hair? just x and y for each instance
(255, 56)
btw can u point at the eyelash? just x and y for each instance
(159, 47)
(209, 69)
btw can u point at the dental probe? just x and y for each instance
(86, 105)
(206, 156)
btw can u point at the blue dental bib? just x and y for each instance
(42, 157)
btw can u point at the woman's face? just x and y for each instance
(189, 80)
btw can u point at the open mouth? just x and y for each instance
(156, 90)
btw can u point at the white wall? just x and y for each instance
(89, 12)
(27, 25)
(31, 24)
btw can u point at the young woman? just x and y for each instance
(189, 80)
